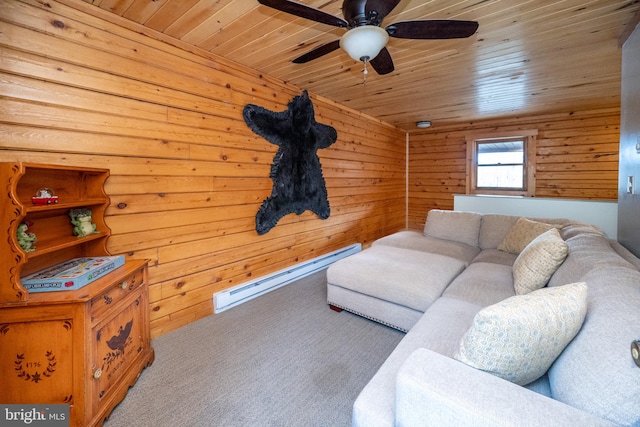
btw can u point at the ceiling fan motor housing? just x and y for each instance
(356, 14)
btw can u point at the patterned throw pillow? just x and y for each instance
(519, 338)
(538, 261)
(521, 234)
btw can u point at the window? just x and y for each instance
(501, 164)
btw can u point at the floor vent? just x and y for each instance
(231, 297)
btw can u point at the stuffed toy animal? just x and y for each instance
(26, 239)
(81, 219)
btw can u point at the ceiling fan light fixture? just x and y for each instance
(364, 42)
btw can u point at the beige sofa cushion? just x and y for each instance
(415, 240)
(463, 227)
(538, 261)
(494, 229)
(518, 339)
(522, 233)
(406, 277)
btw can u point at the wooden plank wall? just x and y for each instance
(577, 158)
(187, 175)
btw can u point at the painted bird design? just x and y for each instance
(118, 342)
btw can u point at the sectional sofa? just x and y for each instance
(509, 320)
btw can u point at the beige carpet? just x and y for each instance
(282, 359)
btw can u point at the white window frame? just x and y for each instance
(529, 171)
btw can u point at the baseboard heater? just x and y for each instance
(231, 297)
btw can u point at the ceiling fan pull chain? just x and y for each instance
(364, 71)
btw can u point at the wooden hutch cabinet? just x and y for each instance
(81, 347)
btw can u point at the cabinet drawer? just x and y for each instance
(116, 293)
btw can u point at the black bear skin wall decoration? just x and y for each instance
(298, 184)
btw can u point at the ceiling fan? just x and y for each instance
(365, 40)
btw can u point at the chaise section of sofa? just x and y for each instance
(593, 381)
(391, 285)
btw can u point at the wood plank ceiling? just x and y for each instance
(528, 56)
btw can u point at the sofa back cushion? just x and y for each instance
(586, 252)
(625, 253)
(494, 229)
(462, 227)
(574, 229)
(596, 372)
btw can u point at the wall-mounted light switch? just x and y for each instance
(630, 185)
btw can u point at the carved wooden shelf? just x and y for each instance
(84, 347)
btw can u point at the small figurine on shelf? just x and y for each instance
(26, 239)
(44, 196)
(81, 220)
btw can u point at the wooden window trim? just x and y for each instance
(530, 137)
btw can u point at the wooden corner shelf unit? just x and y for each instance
(82, 347)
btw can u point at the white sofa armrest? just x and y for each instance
(435, 390)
